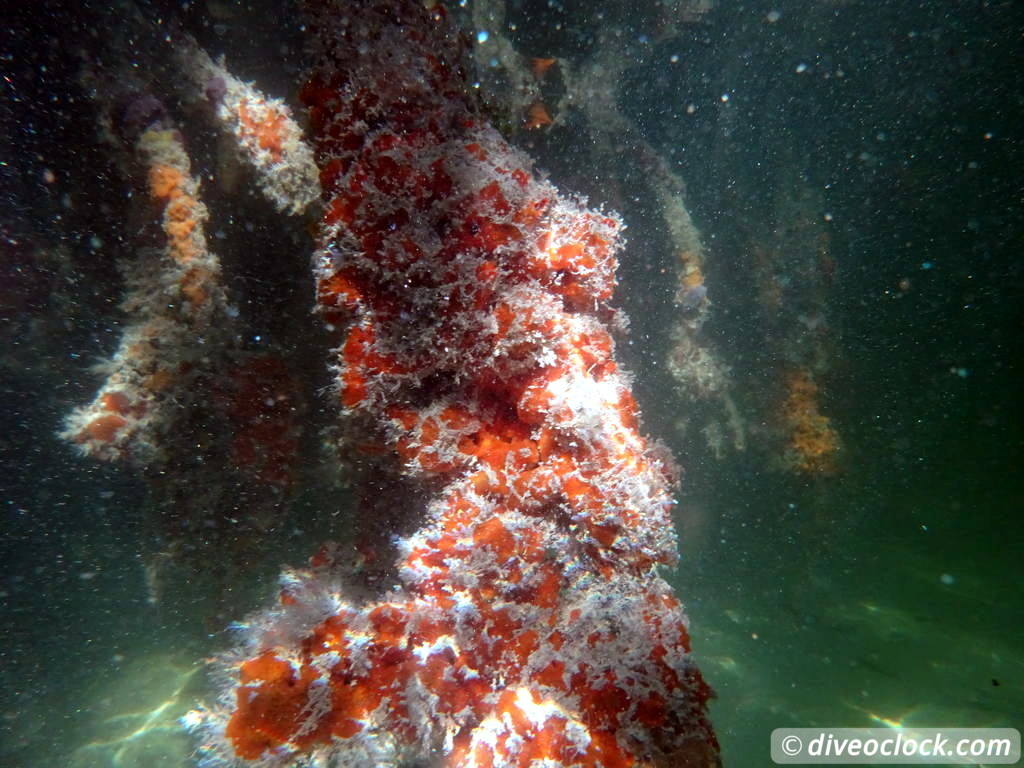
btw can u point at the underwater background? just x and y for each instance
(849, 511)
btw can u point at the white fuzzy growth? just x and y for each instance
(536, 712)
(488, 732)
(318, 705)
(465, 608)
(425, 650)
(590, 401)
(578, 735)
